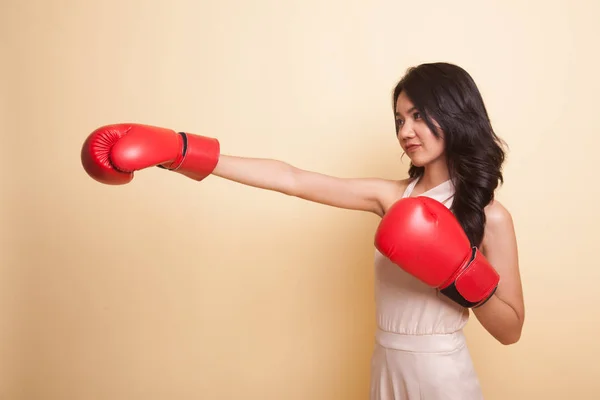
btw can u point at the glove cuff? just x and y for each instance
(476, 282)
(199, 156)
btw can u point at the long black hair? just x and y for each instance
(447, 94)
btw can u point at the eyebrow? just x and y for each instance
(408, 112)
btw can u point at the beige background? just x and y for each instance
(169, 289)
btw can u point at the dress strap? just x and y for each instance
(410, 187)
(444, 192)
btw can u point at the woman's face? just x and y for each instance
(416, 139)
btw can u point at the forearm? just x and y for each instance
(257, 172)
(364, 194)
(500, 320)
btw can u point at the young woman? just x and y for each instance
(456, 158)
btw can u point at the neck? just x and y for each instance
(434, 175)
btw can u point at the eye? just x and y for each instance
(417, 115)
(398, 125)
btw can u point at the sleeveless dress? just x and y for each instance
(420, 348)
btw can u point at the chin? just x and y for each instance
(424, 161)
(419, 162)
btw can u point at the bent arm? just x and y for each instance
(503, 315)
(363, 194)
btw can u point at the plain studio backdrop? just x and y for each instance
(167, 288)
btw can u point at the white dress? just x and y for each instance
(420, 348)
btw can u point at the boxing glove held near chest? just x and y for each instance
(424, 238)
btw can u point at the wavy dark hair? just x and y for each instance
(448, 95)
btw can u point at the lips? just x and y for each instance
(412, 147)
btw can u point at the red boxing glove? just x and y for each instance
(424, 238)
(111, 153)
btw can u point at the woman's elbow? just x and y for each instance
(508, 340)
(511, 337)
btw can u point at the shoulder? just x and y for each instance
(497, 215)
(499, 224)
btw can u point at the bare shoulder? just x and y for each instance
(498, 218)
(499, 232)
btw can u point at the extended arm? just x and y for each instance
(363, 194)
(112, 153)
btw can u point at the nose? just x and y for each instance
(405, 131)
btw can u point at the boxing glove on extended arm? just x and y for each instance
(112, 153)
(424, 238)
